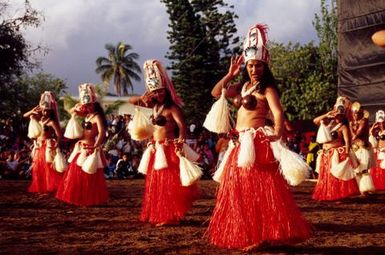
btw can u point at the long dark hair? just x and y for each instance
(52, 116)
(168, 102)
(267, 79)
(99, 109)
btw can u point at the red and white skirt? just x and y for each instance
(79, 187)
(45, 178)
(254, 204)
(330, 185)
(378, 172)
(165, 199)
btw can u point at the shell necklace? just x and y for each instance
(156, 112)
(246, 92)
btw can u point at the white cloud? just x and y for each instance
(77, 30)
(288, 20)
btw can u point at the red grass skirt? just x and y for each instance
(378, 174)
(330, 188)
(255, 206)
(165, 199)
(45, 178)
(82, 189)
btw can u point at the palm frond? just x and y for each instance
(102, 61)
(69, 102)
(119, 66)
(103, 68)
(113, 107)
(110, 47)
(132, 55)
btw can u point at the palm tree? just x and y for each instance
(120, 66)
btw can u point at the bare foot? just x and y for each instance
(160, 224)
(258, 247)
(249, 248)
(172, 223)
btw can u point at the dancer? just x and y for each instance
(254, 206)
(377, 133)
(45, 117)
(359, 128)
(336, 162)
(83, 183)
(165, 200)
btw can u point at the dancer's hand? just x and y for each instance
(36, 110)
(331, 114)
(147, 98)
(235, 65)
(179, 144)
(273, 138)
(90, 147)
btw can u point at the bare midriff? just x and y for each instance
(381, 144)
(89, 135)
(47, 134)
(167, 131)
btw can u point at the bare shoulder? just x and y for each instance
(174, 108)
(97, 118)
(271, 90)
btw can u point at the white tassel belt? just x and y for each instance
(245, 140)
(344, 169)
(50, 149)
(88, 162)
(160, 161)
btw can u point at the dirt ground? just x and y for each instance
(39, 224)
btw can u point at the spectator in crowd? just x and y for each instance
(110, 167)
(221, 146)
(311, 157)
(124, 168)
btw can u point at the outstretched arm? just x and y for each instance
(144, 100)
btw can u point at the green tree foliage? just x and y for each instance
(306, 74)
(201, 36)
(28, 88)
(326, 27)
(305, 88)
(15, 51)
(119, 66)
(15, 56)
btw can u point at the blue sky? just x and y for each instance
(75, 31)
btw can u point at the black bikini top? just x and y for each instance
(46, 128)
(87, 125)
(380, 135)
(160, 120)
(334, 135)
